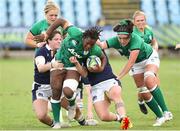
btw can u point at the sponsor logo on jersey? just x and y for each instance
(72, 51)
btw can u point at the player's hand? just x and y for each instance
(73, 60)
(95, 68)
(57, 64)
(39, 38)
(41, 44)
(177, 46)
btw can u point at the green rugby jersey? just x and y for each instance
(41, 26)
(72, 45)
(147, 35)
(135, 43)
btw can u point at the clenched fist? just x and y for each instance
(40, 38)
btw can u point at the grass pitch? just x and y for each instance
(16, 76)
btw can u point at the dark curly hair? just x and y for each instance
(93, 33)
(125, 25)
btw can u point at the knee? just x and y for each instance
(68, 92)
(144, 93)
(150, 79)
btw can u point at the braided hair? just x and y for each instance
(93, 33)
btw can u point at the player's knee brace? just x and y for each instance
(148, 74)
(71, 83)
(143, 89)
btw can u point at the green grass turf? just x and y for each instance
(16, 76)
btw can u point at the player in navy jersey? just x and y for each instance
(105, 88)
(41, 89)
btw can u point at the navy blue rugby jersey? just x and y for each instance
(106, 74)
(42, 78)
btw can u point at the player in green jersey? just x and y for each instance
(143, 61)
(145, 32)
(51, 11)
(79, 45)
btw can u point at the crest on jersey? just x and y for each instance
(85, 52)
(74, 42)
(150, 37)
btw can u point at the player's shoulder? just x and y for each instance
(147, 27)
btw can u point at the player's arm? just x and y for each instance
(102, 44)
(82, 70)
(154, 44)
(29, 40)
(103, 62)
(43, 67)
(59, 22)
(132, 58)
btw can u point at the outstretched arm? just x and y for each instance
(59, 22)
(154, 44)
(102, 44)
(132, 58)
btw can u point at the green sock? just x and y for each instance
(158, 96)
(56, 111)
(154, 107)
(72, 102)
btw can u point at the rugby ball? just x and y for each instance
(93, 61)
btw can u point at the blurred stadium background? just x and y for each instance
(17, 16)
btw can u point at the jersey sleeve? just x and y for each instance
(112, 42)
(73, 31)
(96, 50)
(35, 28)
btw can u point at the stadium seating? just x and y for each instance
(39, 7)
(161, 11)
(15, 13)
(174, 11)
(67, 9)
(94, 15)
(28, 15)
(81, 13)
(148, 8)
(3, 13)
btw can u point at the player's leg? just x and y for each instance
(40, 103)
(114, 94)
(56, 81)
(79, 98)
(70, 84)
(141, 104)
(41, 111)
(89, 104)
(148, 98)
(78, 114)
(152, 83)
